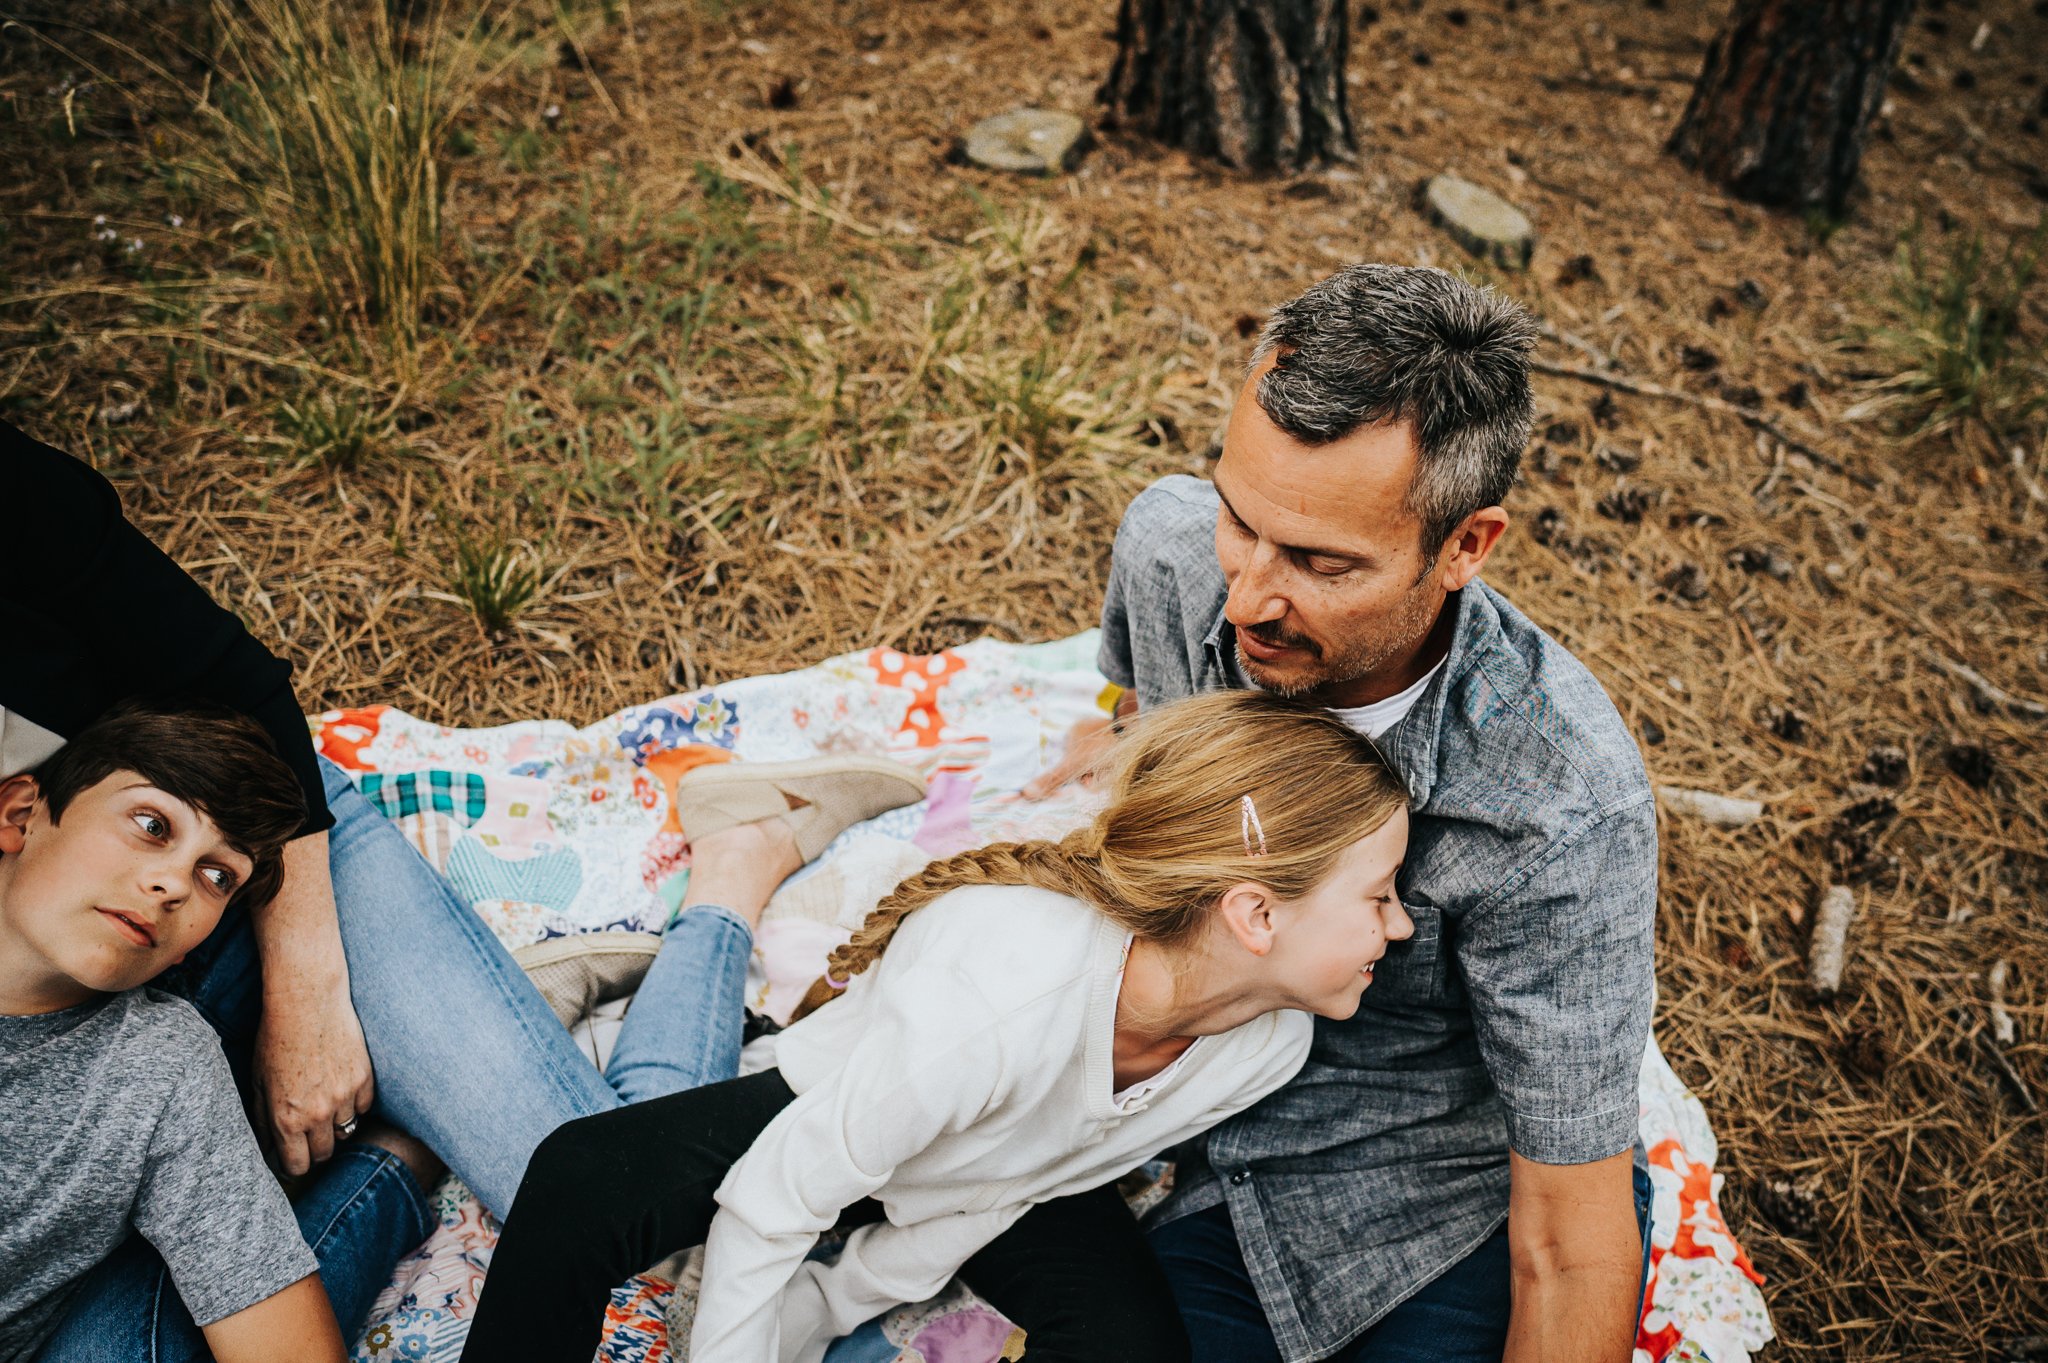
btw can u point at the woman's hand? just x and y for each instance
(313, 1076)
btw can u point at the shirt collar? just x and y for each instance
(1412, 744)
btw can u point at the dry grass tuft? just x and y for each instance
(328, 125)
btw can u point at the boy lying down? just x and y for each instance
(118, 1113)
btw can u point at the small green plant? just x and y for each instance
(1958, 334)
(522, 150)
(498, 579)
(340, 433)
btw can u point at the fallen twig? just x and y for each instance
(1750, 415)
(1829, 951)
(1991, 694)
(1722, 811)
(2002, 1030)
(1578, 343)
(2012, 1075)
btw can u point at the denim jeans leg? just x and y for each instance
(468, 1056)
(363, 1213)
(1213, 1288)
(683, 1028)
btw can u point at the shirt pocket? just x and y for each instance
(1412, 972)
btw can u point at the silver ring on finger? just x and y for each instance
(345, 1129)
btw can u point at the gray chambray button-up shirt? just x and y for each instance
(1516, 1016)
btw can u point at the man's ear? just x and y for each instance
(1469, 546)
(1246, 911)
(18, 796)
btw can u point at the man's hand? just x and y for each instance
(1576, 1255)
(312, 1066)
(1088, 742)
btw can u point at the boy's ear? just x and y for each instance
(1247, 913)
(18, 796)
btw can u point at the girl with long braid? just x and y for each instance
(1013, 1025)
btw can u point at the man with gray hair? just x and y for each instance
(1452, 1176)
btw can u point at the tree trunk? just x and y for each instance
(1257, 84)
(1786, 96)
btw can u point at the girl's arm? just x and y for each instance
(929, 1064)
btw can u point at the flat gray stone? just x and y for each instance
(1028, 141)
(1480, 221)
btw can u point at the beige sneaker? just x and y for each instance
(833, 794)
(578, 972)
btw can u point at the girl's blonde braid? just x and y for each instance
(1069, 866)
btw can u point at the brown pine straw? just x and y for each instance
(856, 473)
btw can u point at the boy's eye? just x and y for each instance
(152, 825)
(223, 881)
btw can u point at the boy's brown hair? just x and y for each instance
(221, 763)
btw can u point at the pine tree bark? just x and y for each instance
(1257, 84)
(1784, 101)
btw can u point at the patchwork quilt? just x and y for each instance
(547, 829)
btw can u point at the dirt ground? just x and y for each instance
(749, 372)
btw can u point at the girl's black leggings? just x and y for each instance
(607, 1196)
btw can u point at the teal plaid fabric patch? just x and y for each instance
(460, 793)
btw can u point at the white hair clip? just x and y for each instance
(1249, 825)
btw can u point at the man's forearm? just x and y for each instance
(1582, 1314)
(1576, 1251)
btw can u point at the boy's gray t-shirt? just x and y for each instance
(120, 1116)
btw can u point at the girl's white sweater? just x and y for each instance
(962, 1078)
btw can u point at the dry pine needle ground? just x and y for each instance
(733, 369)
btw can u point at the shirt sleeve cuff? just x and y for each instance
(1580, 1138)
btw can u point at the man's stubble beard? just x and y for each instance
(1411, 621)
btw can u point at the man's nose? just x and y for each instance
(1400, 927)
(1252, 597)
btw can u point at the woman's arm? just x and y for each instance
(312, 1064)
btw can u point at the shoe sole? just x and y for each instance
(557, 949)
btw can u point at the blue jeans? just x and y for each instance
(468, 1057)
(1459, 1317)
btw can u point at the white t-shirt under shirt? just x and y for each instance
(1375, 719)
(962, 1078)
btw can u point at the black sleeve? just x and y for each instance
(97, 614)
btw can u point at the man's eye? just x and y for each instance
(152, 825)
(1327, 567)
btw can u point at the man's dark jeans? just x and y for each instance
(1461, 1317)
